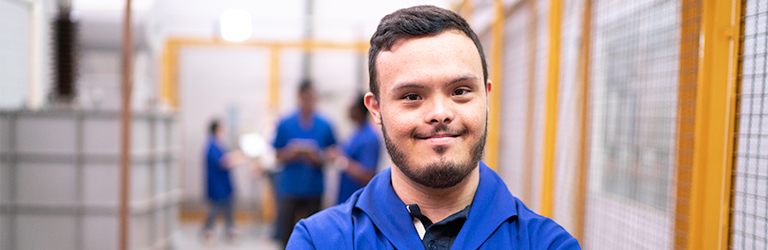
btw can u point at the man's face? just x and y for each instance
(307, 100)
(433, 107)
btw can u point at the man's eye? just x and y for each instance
(460, 91)
(411, 97)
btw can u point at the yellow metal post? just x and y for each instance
(466, 9)
(686, 113)
(497, 55)
(583, 165)
(550, 132)
(274, 78)
(715, 116)
(169, 74)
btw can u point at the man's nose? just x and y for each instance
(439, 110)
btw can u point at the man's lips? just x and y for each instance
(440, 138)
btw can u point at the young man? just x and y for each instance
(301, 143)
(429, 91)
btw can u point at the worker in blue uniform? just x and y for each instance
(361, 153)
(219, 191)
(301, 143)
(429, 91)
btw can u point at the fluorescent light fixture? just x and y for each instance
(235, 25)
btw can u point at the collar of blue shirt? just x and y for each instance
(492, 206)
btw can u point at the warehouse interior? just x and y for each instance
(634, 125)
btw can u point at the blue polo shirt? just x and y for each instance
(218, 183)
(363, 147)
(301, 179)
(375, 218)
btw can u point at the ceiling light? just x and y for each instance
(235, 25)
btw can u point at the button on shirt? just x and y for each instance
(438, 235)
(375, 218)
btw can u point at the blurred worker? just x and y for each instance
(301, 143)
(361, 153)
(429, 91)
(219, 182)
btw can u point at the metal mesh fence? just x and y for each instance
(634, 71)
(569, 117)
(523, 96)
(749, 210)
(514, 166)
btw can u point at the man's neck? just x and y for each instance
(305, 118)
(436, 204)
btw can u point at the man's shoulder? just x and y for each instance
(541, 229)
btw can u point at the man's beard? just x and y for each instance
(443, 173)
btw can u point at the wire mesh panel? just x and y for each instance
(568, 132)
(514, 164)
(634, 72)
(749, 211)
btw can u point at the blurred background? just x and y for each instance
(634, 124)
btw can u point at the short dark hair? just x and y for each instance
(305, 85)
(213, 126)
(416, 21)
(360, 103)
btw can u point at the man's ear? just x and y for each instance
(373, 107)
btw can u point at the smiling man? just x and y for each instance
(429, 91)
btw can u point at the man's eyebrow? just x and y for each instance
(409, 86)
(421, 86)
(463, 78)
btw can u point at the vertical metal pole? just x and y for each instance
(274, 79)
(714, 124)
(496, 75)
(583, 165)
(306, 63)
(153, 233)
(690, 27)
(125, 157)
(80, 177)
(550, 132)
(13, 173)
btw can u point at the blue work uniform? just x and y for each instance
(219, 185)
(375, 218)
(363, 147)
(300, 179)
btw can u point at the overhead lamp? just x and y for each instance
(235, 25)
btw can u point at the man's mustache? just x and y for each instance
(441, 129)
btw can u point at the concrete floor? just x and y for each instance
(252, 237)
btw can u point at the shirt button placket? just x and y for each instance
(432, 245)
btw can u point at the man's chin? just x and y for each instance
(440, 174)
